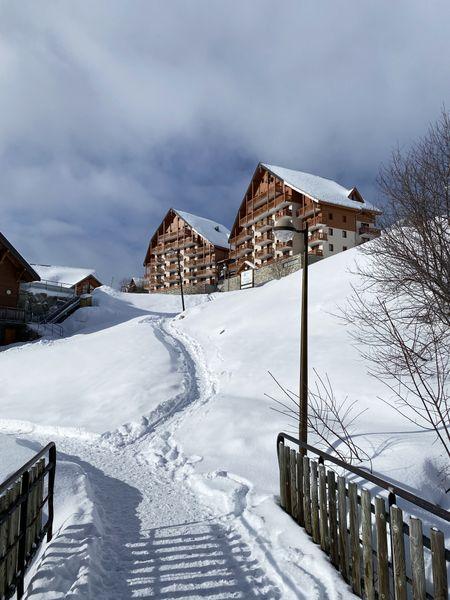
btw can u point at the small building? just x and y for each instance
(337, 217)
(136, 285)
(14, 271)
(57, 280)
(200, 245)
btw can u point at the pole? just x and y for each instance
(181, 279)
(303, 405)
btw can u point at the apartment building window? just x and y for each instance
(330, 216)
(344, 247)
(330, 247)
(344, 218)
(330, 231)
(344, 234)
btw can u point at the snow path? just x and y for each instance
(150, 537)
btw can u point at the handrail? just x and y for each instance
(361, 472)
(48, 449)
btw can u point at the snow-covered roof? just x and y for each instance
(215, 233)
(63, 275)
(318, 188)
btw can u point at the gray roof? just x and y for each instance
(318, 188)
(215, 233)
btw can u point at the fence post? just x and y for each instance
(23, 526)
(354, 537)
(398, 553)
(382, 549)
(439, 564)
(287, 470)
(343, 552)
(282, 475)
(300, 509)
(51, 489)
(3, 543)
(366, 535)
(13, 529)
(417, 560)
(324, 536)
(306, 494)
(314, 503)
(334, 551)
(293, 467)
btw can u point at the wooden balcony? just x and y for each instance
(12, 315)
(243, 249)
(266, 196)
(316, 222)
(245, 235)
(316, 251)
(266, 252)
(269, 208)
(263, 240)
(264, 224)
(317, 237)
(371, 231)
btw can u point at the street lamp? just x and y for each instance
(285, 231)
(171, 252)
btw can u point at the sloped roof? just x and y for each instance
(215, 233)
(318, 188)
(30, 274)
(63, 275)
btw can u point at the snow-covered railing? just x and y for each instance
(23, 498)
(364, 539)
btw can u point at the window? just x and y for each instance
(344, 247)
(344, 233)
(330, 216)
(330, 231)
(330, 247)
(344, 218)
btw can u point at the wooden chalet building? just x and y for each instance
(14, 270)
(337, 218)
(65, 280)
(203, 249)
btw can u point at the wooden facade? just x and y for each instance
(14, 270)
(86, 285)
(332, 227)
(201, 257)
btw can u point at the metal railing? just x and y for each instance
(23, 497)
(339, 517)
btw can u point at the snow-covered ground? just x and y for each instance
(167, 472)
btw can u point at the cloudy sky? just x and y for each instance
(113, 111)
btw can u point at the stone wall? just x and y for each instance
(275, 270)
(203, 288)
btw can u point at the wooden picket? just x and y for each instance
(364, 539)
(21, 518)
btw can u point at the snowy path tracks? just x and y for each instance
(149, 536)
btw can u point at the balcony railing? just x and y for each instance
(269, 208)
(264, 253)
(264, 239)
(264, 224)
(245, 235)
(245, 248)
(12, 315)
(365, 230)
(316, 222)
(266, 196)
(318, 236)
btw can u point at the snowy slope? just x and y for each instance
(167, 470)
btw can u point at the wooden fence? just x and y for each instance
(26, 498)
(364, 536)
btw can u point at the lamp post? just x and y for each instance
(285, 231)
(171, 252)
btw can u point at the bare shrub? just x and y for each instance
(331, 421)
